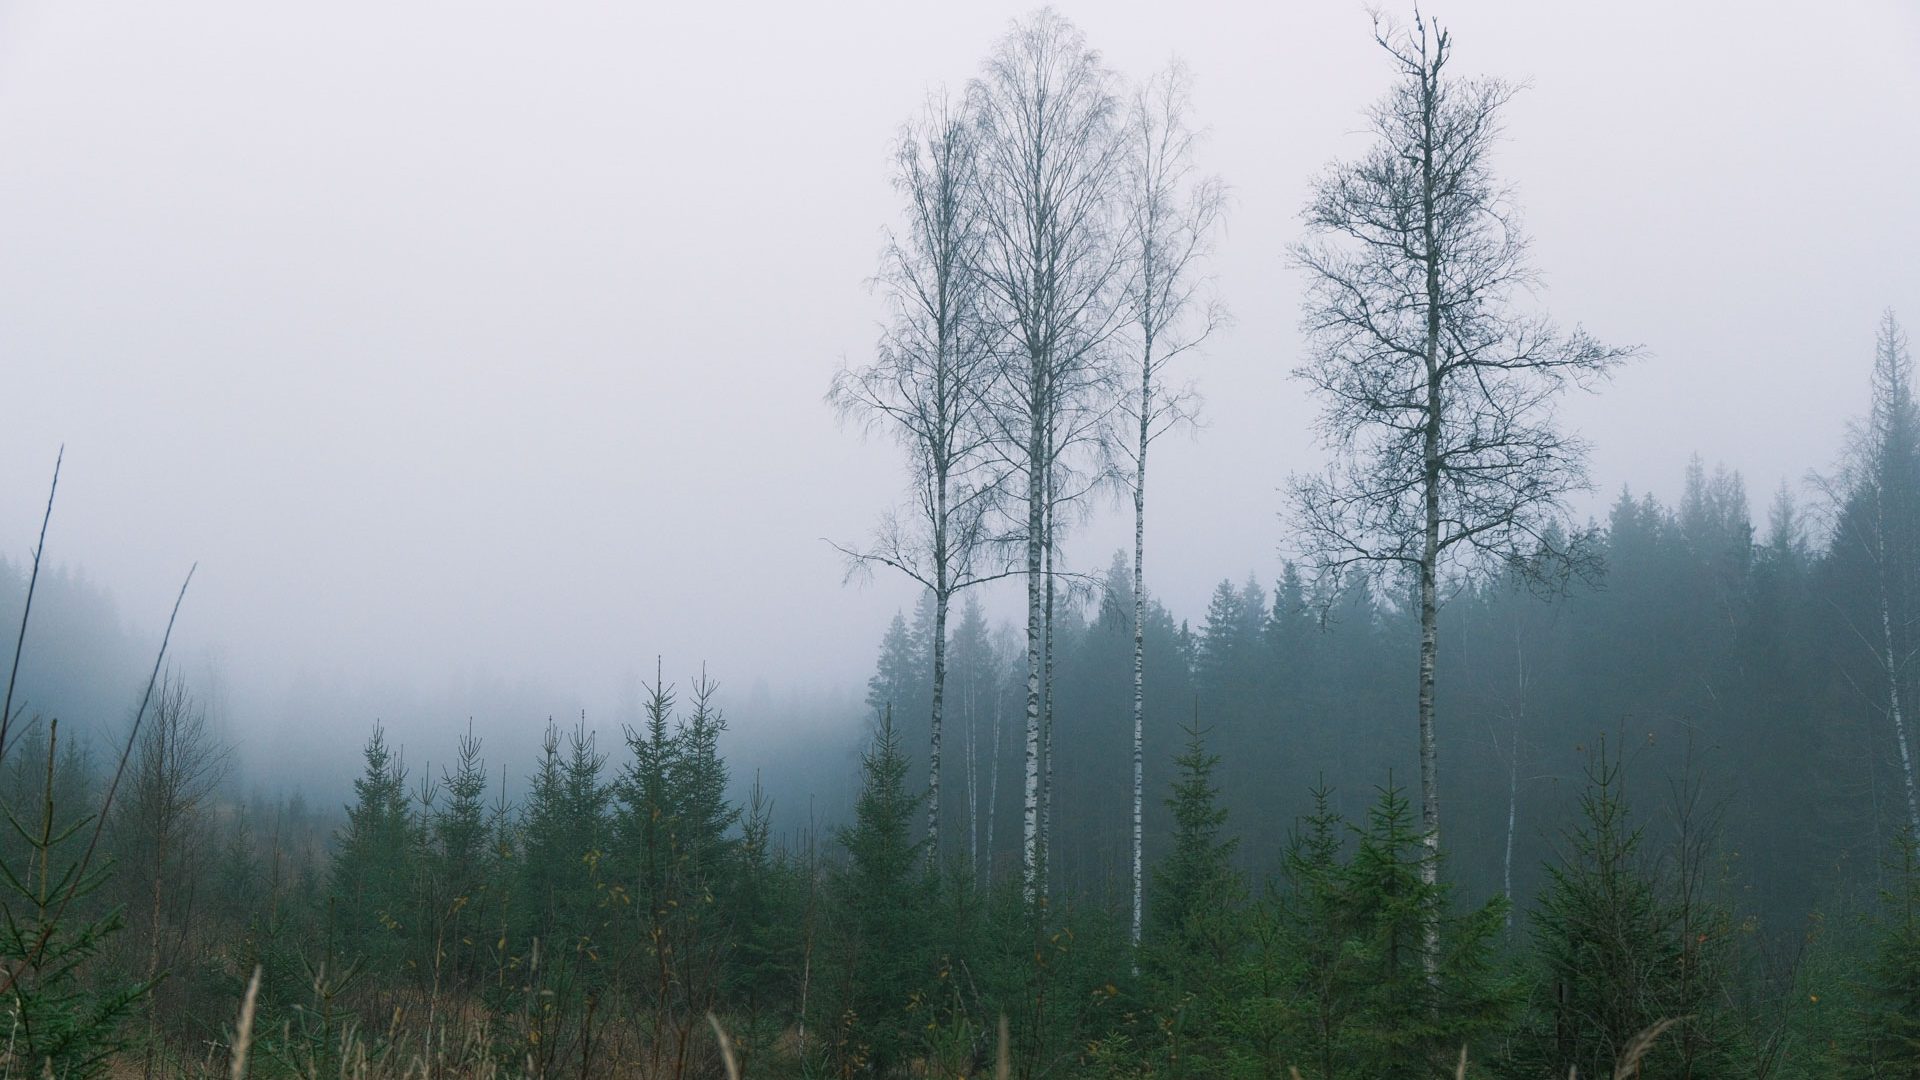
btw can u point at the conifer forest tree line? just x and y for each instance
(1478, 786)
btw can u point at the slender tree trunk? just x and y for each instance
(1140, 635)
(1430, 538)
(1046, 716)
(807, 935)
(1892, 669)
(1036, 598)
(942, 597)
(993, 772)
(1513, 818)
(157, 898)
(970, 695)
(1513, 767)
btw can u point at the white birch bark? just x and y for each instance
(927, 389)
(942, 596)
(1046, 706)
(1873, 504)
(1171, 218)
(1048, 155)
(1036, 599)
(1430, 536)
(1139, 669)
(1438, 395)
(1892, 670)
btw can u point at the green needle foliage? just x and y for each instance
(1885, 1038)
(1195, 924)
(63, 1022)
(883, 960)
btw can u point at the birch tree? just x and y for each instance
(1877, 528)
(1049, 155)
(926, 388)
(1438, 393)
(1171, 215)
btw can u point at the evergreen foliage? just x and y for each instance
(62, 1022)
(883, 959)
(1884, 1035)
(1194, 934)
(373, 868)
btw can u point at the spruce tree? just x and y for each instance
(373, 873)
(564, 839)
(1351, 992)
(1195, 919)
(643, 818)
(765, 917)
(1605, 941)
(899, 679)
(1885, 1035)
(692, 934)
(882, 901)
(1417, 1018)
(1321, 981)
(65, 1020)
(697, 779)
(463, 870)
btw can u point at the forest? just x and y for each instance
(1479, 786)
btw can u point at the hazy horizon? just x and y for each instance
(480, 357)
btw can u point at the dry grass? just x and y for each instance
(243, 1032)
(358, 1062)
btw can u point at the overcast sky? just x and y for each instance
(470, 342)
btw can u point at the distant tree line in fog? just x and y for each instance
(1107, 841)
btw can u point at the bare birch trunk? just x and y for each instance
(1036, 598)
(1430, 540)
(1139, 638)
(1049, 160)
(1431, 535)
(1046, 715)
(1429, 782)
(1473, 471)
(941, 600)
(1891, 667)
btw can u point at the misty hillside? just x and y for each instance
(1094, 543)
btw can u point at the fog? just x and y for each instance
(476, 353)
